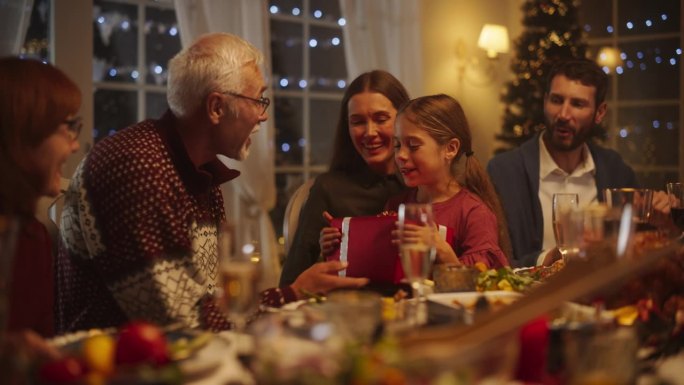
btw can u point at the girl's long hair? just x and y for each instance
(443, 118)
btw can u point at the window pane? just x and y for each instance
(595, 18)
(324, 116)
(155, 105)
(115, 42)
(638, 17)
(113, 110)
(286, 7)
(649, 135)
(325, 10)
(287, 54)
(651, 70)
(656, 179)
(328, 69)
(162, 42)
(289, 136)
(37, 43)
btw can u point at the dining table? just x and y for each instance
(458, 336)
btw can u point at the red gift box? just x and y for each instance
(367, 246)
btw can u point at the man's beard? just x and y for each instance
(244, 150)
(578, 137)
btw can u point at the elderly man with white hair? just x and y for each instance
(142, 213)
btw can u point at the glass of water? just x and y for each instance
(417, 231)
(239, 275)
(567, 225)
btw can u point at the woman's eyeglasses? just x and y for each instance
(74, 126)
(264, 102)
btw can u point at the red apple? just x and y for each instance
(141, 342)
(64, 370)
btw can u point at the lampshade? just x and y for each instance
(493, 39)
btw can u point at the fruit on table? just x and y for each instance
(98, 353)
(141, 342)
(67, 369)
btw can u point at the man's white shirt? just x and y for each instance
(553, 179)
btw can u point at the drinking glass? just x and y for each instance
(358, 313)
(416, 248)
(567, 225)
(675, 191)
(640, 199)
(239, 274)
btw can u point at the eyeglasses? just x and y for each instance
(74, 126)
(264, 102)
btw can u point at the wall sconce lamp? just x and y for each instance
(494, 40)
(481, 71)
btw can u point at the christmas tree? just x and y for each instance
(551, 32)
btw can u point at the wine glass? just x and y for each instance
(675, 192)
(416, 248)
(239, 274)
(567, 225)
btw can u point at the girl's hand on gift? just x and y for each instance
(411, 234)
(421, 234)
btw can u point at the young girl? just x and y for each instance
(434, 155)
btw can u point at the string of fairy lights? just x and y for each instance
(110, 22)
(650, 58)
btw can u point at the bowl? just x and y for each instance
(454, 278)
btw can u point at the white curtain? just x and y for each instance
(252, 195)
(15, 16)
(384, 34)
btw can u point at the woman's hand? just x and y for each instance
(329, 240)
(322, 277)
(330, 237)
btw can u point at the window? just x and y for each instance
(37, 42)
(309, 78)
(644, 114)
(132, 44)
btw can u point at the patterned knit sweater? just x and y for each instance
(139, 234)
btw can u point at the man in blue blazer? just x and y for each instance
(559, 159)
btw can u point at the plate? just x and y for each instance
(468, 299)
(201, 354)
(206, 359)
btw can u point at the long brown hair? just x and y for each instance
(345, 157)
(443, 118)
(35, 99)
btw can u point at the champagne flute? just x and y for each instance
(567, 225)
(417, 253)
(239, 274)
(675, 192)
